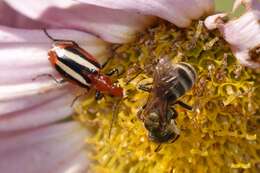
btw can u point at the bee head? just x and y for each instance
(152, 122)
(168, 134)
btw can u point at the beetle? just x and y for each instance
(79, 66)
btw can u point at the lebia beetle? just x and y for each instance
(77, 65)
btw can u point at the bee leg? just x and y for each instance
(50, 76)
(98, 95)
(174, 114)
(139, 113)
(175, 138)
(158, 148)
(184, 105)
(145, 87)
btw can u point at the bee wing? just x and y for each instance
(165, 76)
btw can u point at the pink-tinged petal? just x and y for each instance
(112, 25)
(12, 18)
(17, 91)
(24, 52)
(179, 12)
(243, 34)
(207, 5)
(23, 101)
(45, 112)
(56, 148)
(249, 4)
(78, 164)
(214, 21)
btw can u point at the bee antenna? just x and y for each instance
(48, 35)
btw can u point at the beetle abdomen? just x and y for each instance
(74, 65)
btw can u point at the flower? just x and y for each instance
(34, 112)
(243, 34)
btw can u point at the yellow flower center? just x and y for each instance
(220, 134)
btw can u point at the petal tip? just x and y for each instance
(214, 21)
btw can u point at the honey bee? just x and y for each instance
(170, 82)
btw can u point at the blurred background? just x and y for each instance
(226, 6)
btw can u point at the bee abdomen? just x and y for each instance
(183, 82)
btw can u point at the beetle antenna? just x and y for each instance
(114, 114)
(48, 35)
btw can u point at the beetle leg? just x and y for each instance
(50, 76)
(76, 98)
(98, 95)
(54, 39)
(113, 71)
(114, 116)
(104, 65)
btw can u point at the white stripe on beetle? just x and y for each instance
(72, 73)
(74, 57)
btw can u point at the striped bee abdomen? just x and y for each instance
(183, 81)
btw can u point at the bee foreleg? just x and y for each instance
(145, 87)
(173, 115)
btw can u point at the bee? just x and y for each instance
(170, 82)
